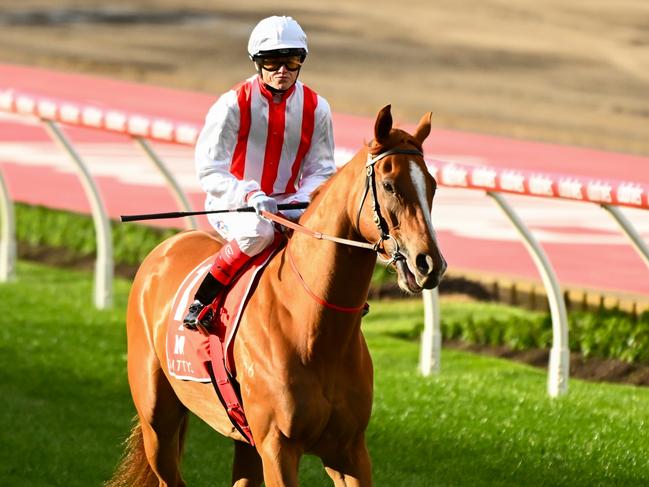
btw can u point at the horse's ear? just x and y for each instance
(383, 124)
(423, 129)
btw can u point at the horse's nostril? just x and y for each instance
(424, 264)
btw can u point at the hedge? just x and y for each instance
(607, 333)
(37, 225)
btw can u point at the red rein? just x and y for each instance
(316, 298)
(318, 235)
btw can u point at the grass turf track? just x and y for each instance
(483, 421)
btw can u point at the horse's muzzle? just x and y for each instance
(424, 273)
(429, 270)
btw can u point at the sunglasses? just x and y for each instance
(292, 63)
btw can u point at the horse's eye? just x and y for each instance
(387, 186)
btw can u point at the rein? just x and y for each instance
(320, 236)
(315, 297)
(381, 224)
(370, 183)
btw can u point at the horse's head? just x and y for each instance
(399, 196)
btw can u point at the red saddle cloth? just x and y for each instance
(196, 357)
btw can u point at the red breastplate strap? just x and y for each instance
(316, 298)
(225, 390)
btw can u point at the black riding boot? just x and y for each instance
(207, 292)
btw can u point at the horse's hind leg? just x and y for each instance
(163, 419)
(247, 469)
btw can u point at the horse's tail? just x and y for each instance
(134, 469)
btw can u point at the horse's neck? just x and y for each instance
(337, 274)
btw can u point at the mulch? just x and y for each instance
(588, 368)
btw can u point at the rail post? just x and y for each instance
(431, 337)
(7, 234)
(559, 364)
(179, 196)
(104, 263)
(628, 229)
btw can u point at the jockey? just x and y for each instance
(269, 140)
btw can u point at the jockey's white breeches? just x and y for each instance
(252, 233)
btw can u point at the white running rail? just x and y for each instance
(498, 182)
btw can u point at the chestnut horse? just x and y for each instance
(303, 365)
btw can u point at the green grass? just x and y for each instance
(483, 421)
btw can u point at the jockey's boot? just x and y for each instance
(228, 262)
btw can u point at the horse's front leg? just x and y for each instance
(246, 467)
(350, 467)
(281, 459)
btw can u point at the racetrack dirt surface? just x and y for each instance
(568, 72)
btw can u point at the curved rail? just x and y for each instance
(548, 185)
(558, 368)
(104, 262)
(608, 194)
(627, 228)
(179, 195)
(51, 113)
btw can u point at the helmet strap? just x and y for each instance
(273, 90)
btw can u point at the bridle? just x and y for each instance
(370, 187)
(381, 224)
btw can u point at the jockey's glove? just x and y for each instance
(261, 202)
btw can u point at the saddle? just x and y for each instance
(208, 357)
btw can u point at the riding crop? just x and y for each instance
(270, 216)
(179, 214)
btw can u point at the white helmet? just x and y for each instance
(277, 36)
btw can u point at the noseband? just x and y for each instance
(370, 184)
